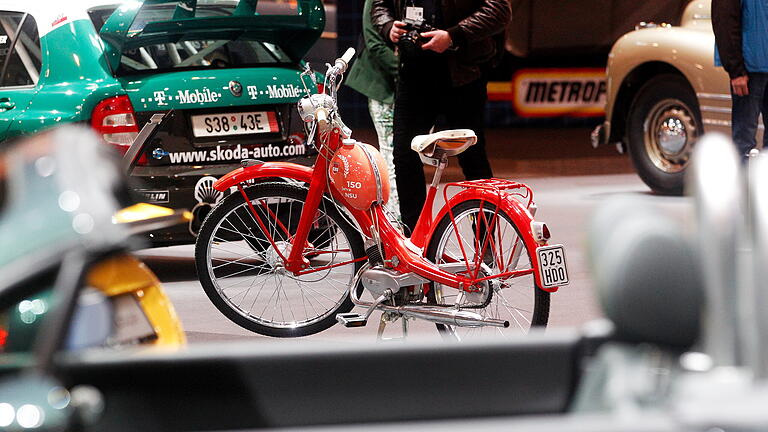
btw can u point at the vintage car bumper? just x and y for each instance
(599, 135)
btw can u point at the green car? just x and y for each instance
(229, 70)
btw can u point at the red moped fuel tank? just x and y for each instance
(359, 173)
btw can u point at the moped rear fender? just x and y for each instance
(265, 170)
(521, 217)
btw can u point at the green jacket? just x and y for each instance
(373, 73)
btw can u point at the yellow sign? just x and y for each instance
(576, 92)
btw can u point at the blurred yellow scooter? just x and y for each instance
(129, 282)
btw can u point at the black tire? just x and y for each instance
(537, 300)
(662, 126)
(317, 295)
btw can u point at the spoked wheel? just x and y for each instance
(242, 271)
(491, 243)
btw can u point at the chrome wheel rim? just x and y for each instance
(670, 131)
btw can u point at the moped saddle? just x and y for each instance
(448, 142)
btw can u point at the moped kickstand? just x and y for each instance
(388, 317)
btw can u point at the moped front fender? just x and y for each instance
(286, 170)
(264, 170)
(520, 216)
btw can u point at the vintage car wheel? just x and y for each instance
(663, 124)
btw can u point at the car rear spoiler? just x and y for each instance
(295, 34)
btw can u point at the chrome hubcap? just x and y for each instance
(670, 131)
(672, 136)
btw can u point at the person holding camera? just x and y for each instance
(444, 48)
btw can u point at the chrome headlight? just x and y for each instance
(309, 104)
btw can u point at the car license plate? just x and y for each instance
(552, 267)
(243, 123)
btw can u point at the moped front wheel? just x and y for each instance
(240, 266)
(480, 239)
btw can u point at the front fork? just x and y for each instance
(296, 261)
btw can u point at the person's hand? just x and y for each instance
(740, 85)
(396, 31)
(439, 41)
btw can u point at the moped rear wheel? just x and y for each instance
(242, 271)
(490, 242)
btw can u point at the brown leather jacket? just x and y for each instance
(471, 24)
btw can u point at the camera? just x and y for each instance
(411, 42)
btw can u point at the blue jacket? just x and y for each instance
(741, 35)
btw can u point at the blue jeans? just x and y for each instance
(746, 110)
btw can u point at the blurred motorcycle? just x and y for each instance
(57, 186)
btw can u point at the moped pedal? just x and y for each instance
(351, 319)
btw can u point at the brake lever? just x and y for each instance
(307, 72)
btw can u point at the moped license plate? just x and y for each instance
(552, 266)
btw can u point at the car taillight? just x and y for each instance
(3, 338)
(114, 120)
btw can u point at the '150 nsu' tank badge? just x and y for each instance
(359, 173)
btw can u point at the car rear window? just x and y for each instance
(190, 53)
(20, 56)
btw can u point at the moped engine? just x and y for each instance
(379, 279)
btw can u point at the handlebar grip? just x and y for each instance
(348, 54)
(343, 62)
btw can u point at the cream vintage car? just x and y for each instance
(664, 91)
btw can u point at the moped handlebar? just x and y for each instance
(342, 63)
(321, 108)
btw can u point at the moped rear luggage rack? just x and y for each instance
(520, 191)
